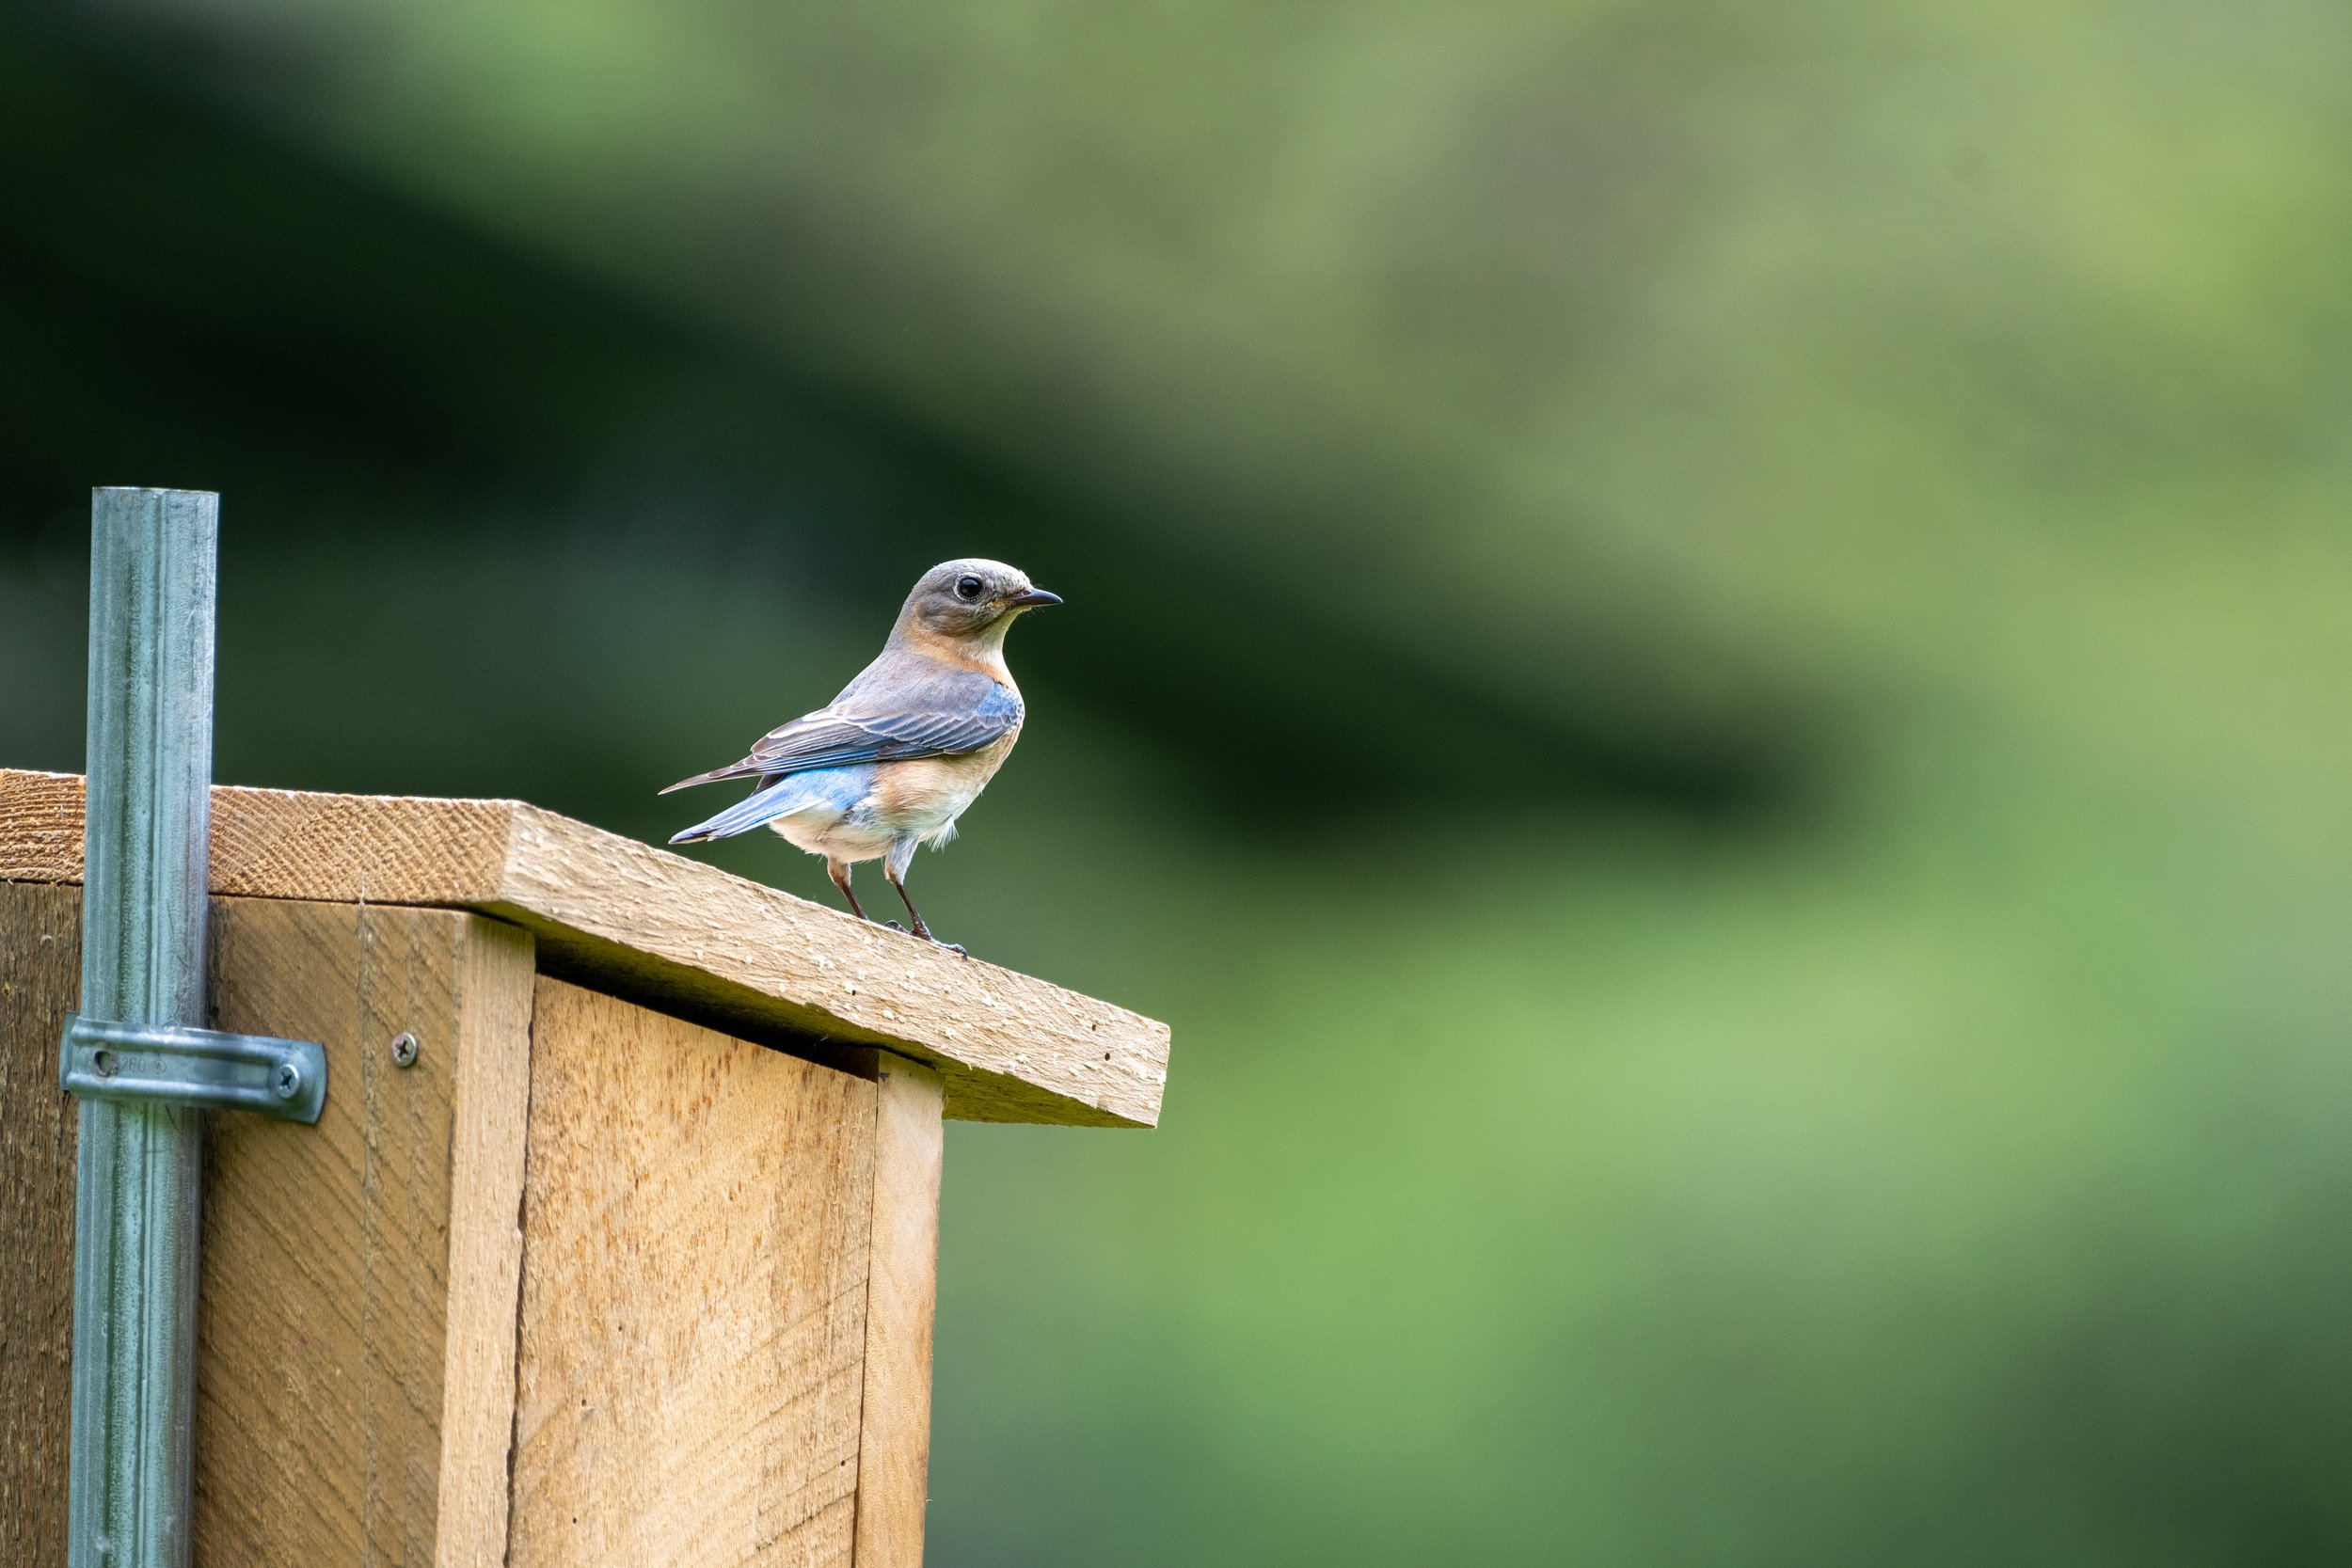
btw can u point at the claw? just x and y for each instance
(955, 947)
(892, 924)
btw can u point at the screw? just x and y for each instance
(403, 1049)
(103, 1063)
(286, 1082)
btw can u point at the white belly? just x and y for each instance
(879, 807)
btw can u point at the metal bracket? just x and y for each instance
(194, 1067)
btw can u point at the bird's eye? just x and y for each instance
(967, 589)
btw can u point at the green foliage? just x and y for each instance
(1946, 1167)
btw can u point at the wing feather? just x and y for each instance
(943, 714)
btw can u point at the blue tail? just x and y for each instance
(834, 789)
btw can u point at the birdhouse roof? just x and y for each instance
(662, 930)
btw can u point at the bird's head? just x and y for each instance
(972, 599)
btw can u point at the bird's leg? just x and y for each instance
(916, 915)
(839, 872)
(913, 914)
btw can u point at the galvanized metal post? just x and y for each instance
(153, 559)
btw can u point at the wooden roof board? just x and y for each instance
(641, 923)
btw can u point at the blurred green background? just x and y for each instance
(1707, 671)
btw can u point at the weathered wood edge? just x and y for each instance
(901, 1301)
(661, 930)
(489, 1124)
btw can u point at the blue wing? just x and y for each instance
(889, 714)
(831, 789)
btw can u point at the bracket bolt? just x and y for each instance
(286, 1082)
(403, 1049)
(103, 1063)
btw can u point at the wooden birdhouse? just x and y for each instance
(614, 1241)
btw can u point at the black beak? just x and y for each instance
(1033, 600)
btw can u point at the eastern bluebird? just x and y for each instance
(907, 747)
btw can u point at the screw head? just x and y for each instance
(403, 1049)
(103, 1063)
(286, 1082)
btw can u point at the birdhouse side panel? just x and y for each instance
(355, 1365)
(901, 1298)
(41, 978)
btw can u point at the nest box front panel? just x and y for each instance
(695, 1252)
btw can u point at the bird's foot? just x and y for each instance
(955, 947)
(892, 926)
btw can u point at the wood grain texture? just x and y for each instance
(488, 1137)
(693, 1305)
(901, 1296)
(41, 977)
(333, 1254)
(664, 931)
